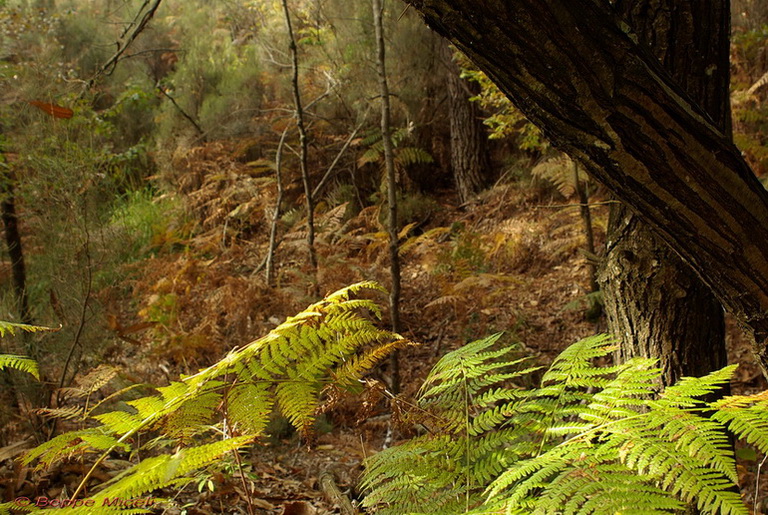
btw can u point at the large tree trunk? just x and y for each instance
(656, 305)
(577, 71)
(469, 159)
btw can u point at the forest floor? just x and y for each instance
(509, 261)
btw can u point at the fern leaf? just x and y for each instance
(249, 407)
(66, 413)
(20, 363)
(13, 328)
(332, 343)
(589, 440)
(91, 382)
(408, 156)
(558, 171)
(746, 416)
(162, 471)
(759, 83)
(687, 392)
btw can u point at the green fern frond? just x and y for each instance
(746, 416)
(119, 422)
(186, 420)
(13, 328)
(467, 395)
(67, 445)
(159, 472)
(249, 407)
(372, 155)
(21, 363)
(333, 342)
(408, 156)
(574, 368)
(589, 440)
(687, 392)
(355, 367)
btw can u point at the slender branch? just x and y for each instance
(178, 107)
(586, 219)
(299, 114)
(338, 157)
(138, 27)
(389, 164)
(83, 310)
(81, 321)
(278, 208)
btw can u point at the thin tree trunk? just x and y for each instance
(299, 112)
(29, 394)
(586, 221)
(270, 272)
(15, 250)
(389, 164)
(656, 305)
(469, 159)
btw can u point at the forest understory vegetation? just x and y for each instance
(147, 190)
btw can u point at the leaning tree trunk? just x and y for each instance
(578, 72)
(469, 158)
(656, 305)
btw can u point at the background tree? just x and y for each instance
(392, 188)
(303, 143)
(469, 158)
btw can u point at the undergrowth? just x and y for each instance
(297, 370)
(148, 222)
(590, 439)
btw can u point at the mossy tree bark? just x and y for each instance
(575, 69)
(656, 305)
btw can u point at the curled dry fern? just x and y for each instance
(330, 344)
(588, 440)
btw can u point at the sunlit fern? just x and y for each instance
(21, 363)
(590, 439)
(331, 344)
(13, 328)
